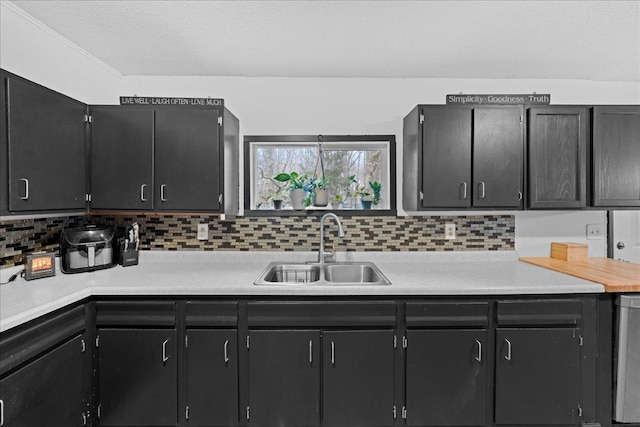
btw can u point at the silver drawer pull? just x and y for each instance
(464, 190)
(142, 198)
(508, 356)
(164, 351)
(333, 353)
(1, 412)
(479, 356)
(310, 352)
(162, 187)
(26, 189)
(226, 351)
(481, 190)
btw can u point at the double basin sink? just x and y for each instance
(325, 274)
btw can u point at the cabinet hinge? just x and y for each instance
(87, 118)
(186, 341)
(404, 412)
(186, 413)
(421, 196)
(247, 413)
(219, 120)
(84, 346)
(97, 341)
(99, 410)
(395, 414)
(421, 118)
(247, 342)
(405, 342)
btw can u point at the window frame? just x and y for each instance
(293, 140)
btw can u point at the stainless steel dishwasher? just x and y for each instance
(627, 376)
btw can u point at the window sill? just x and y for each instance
(318, 212)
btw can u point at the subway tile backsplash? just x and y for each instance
(178, 232)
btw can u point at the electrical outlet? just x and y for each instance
(203, 231)
(594, 231)
(450, 231)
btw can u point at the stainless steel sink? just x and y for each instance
(326, 274)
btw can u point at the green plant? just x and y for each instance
(278, 194)
(376, 187)
(363, 192)
(295, 181)
(337, 198)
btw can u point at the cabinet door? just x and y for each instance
(557, 141)
(46, 149)
(284, 378)
(212, 377)
(446, 377)
(137, 377)
(54, 390)
(497, 157)
(616, 156)
(537, 376)
(187, 151)
(357, 380)
(446, 157)
(121, 158)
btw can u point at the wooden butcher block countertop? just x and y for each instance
(615, 276)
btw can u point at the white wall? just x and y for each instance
(33, 51)
(303, 105)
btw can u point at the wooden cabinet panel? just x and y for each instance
(616, 156)
(54, 390)
(137, 377)
(446, 157)
(557, 143)
(284, 378)
(187, 147)
(446, 377)
(46, 149)
(212, 378)
(537, 379)
(357, 378)
(497, 157)
(121, 158)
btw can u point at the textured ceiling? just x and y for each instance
(596, 40)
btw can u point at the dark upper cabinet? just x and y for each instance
(44, 141)
(357, 378)
(121, 158)
(187, 166)
(284, 378)
(164, 159)
(463, 157)
(616, 156)
(557, 139)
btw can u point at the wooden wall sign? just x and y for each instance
(500, 99)
(174, 102)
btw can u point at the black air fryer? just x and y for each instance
(87, 249)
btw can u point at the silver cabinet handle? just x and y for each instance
(142, 187)
(479, 356)
(464, 190)
(310, 352)
(519, 195)
(508, 356)
(164, 351)
(481, 190)
(162, 187)
(26, 189)
(1, 412)
(226, 351)
(333, 353)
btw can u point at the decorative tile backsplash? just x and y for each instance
(178, 232)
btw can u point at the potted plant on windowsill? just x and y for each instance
(320, 192)
(366, 197)
(296, 187)
(277, 198)
(376, 188)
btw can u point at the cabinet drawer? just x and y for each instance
(447, 313)
(135, 313)
(539, 312)
(16, 347)
(321, 314)
(205, 313)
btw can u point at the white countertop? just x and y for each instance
(233, 273)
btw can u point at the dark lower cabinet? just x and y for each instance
(52, 391)
(357, 378)
(212, 378)
(137, 377)
(284, 378)
(537, 379)
(446, 377)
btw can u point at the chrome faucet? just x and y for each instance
(328, 256)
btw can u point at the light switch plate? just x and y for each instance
(594, 232)
(203, 231)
